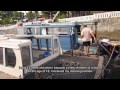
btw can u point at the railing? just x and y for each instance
(92, 17)
(77, 19)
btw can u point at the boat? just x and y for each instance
(39, 50)
(17, 54)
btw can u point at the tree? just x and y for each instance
(30, 15)
(16, 16)
(1, 22)
(62, 14)
(6, 21)
(49, 14)
(6, 13)
(36, 14)
(8, 17)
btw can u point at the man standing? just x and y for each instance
(86, 34)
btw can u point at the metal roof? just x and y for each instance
(49, 26)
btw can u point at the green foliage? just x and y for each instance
(8, 17)
(6, 20)
(17, 15)
(30, 15)
(1, 21)
(11, 17)
(36, 14)
(61, 15)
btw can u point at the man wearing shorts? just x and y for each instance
(86, 38)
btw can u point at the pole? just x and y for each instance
(38, 44)
(47, 40)
(71, 42)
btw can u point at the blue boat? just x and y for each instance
(67, 32)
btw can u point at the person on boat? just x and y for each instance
(86, 34)
(21, 23)
(18, 23)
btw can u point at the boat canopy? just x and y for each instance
(14, 43)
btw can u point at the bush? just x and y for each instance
(1, 22)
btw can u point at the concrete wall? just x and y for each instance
(110, 24)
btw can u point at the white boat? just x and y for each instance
(17, 55)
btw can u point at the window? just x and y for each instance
(10, 57)
(1, 55)
(56, 46)
(25, 51)
(57, 31)
(29, 31)
(44, 32)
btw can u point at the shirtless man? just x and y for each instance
(86, 38)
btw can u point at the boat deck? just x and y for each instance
(74, 61)
(66, 60)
